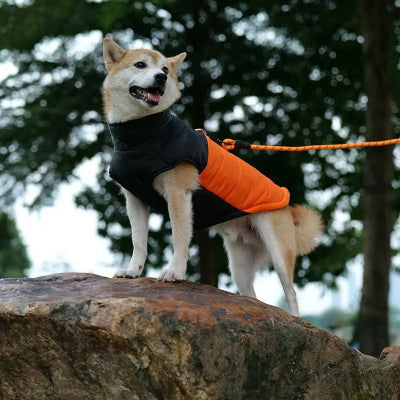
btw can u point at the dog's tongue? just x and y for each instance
(153, 97)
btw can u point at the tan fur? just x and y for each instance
(289, 258)
(308, 227)
(269, 237)
(284, 229)
(184, 177)
(177, 186)
(112, 53)
(106, 101)
(131, 57)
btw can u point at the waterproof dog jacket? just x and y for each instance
(230, 187)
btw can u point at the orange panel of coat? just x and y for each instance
(240, 184)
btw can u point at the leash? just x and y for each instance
(231, 144)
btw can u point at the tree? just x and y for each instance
(13, 257)
(373, 325)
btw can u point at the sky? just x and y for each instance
(63, 237)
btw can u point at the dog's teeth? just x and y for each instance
(151, 96)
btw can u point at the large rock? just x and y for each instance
(80, 336)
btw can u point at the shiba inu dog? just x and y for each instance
(161, 162)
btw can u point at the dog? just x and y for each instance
(138, 92)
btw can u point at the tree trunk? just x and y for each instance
(208, 268)
(378, 174)
(200, 90)
(207, 263)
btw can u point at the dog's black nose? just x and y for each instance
(160, 77)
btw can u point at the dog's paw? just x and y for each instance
(171, 275)
(129, 273)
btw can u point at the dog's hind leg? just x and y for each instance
(243, 264)
(276, 230)
(138, 214)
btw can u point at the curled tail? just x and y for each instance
(308, 226)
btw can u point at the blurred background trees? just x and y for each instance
(14, 260)
(277, 72)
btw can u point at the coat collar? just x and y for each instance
(126, 135)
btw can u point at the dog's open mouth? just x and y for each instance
(150, 95)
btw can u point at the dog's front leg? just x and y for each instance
(180, 214)
(138, 214)
(177, 186)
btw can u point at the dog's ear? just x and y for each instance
(112, 53)
(176, 61)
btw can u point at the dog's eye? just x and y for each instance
(165, 70)
(140, 65)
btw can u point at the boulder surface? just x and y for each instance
(82, 336)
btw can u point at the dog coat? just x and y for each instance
(229, 187)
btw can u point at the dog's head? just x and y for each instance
(139, 82)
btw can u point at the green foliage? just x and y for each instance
(263, 72)
(13, 257)
(333, 318)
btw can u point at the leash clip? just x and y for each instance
(231, 144)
